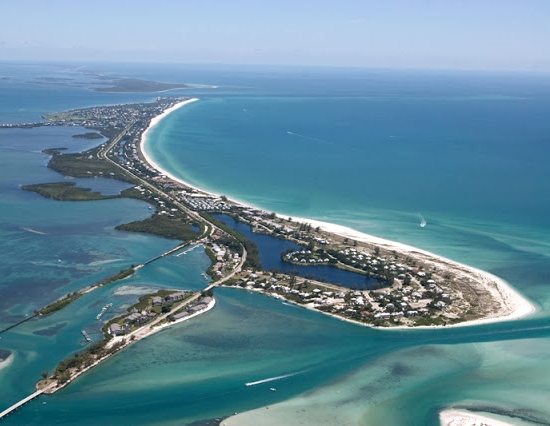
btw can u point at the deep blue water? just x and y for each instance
(271, 249)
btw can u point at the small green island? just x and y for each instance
(66, 191)
(88, 135)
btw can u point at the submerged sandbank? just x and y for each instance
(6, 358)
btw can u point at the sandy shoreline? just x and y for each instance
(453, 417)
(517, 306)
(147, 331)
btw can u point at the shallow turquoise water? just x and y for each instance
(370, 151)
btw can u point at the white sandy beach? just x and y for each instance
(516, 306)
(452, 417)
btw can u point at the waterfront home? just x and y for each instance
(181, 315)
(136, 318)
(116, 330)
(174, 297)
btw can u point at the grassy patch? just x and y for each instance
(59, 304)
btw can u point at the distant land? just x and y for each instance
(122, 85)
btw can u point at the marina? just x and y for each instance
(86, 336)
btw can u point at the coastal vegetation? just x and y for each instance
(59, 303)
(120, 85)
(85, 164)
(176, 228)
(212, 256)
(88, 135)
(52, 151)
(253, 256)
(80, 360)
(155, 309)
(124, 273)
(65, 191)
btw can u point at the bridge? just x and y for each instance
(24, 401)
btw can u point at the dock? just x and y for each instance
(86, 336)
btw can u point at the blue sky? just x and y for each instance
(449, 34)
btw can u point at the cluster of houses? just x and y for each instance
(307, 257)
(199, 306)
(136, 318)
(202, 202)
(224, 259)
(263, 222)
(364, 260)
(401, 303)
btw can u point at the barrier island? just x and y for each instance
(324, 267)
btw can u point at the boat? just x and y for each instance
(423, 222)
(273, 389)
(103, 310)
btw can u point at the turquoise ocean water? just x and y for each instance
(369, 149)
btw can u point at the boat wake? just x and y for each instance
(423, 222)
(311, 138)
(104, 262)
(272, 379)
(34, 231)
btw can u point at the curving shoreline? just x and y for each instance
(455, 417)
(124, 341)
(517, 305)
(513, 304)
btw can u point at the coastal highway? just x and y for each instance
(149, 329)
(130, 338)
(103, 154)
